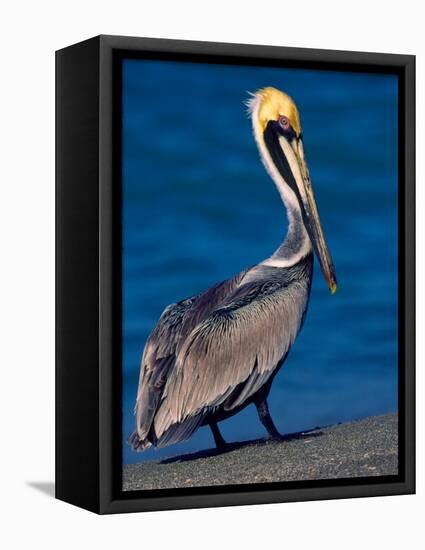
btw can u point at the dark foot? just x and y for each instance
(266, 420)
(224, 447)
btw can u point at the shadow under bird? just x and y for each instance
(213, 354)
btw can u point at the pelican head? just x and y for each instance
(277, 130)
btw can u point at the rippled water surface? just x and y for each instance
(198, 207)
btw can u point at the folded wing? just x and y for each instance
(229, 355)
(161, 349)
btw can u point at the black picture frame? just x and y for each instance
(88, 274)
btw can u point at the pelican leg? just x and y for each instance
(219, 441)
(266, 419)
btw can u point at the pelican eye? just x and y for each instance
(284, 123)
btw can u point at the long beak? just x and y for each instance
(314, 227)
(288, 157)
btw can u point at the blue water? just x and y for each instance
(198, 207)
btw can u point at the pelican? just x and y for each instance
(213, 354)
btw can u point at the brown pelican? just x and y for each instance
(213, 354)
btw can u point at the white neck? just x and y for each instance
(297, 243)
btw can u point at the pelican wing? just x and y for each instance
(162, 347)
(230, 354)
(158, 357)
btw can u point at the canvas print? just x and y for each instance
(259, 275)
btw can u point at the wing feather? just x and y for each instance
(162, 347)
(241, 342)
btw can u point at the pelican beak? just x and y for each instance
(314, 228)
(287, 154)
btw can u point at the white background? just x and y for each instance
(30, 32)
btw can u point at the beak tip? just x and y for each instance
(332, 282)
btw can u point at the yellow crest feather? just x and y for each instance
(273, 104)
